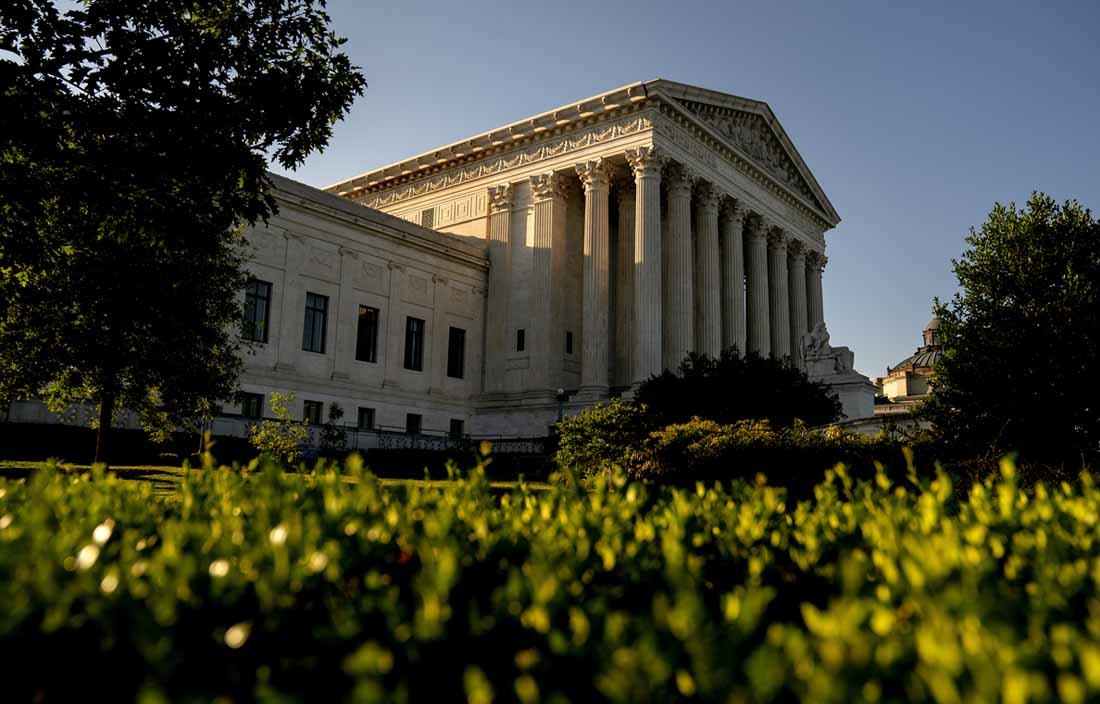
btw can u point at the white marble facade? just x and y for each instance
(592, 246)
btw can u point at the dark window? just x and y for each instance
(456, 428)
(519, 340)
(366, 340)
(311, 412)
(456, 353)
(366, 418)
(568, 343)
(427, 217)
(414, 344)
(316, 324)
(252, 405)
(257, 310)
(412, 423)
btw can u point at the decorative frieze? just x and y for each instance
(597, 134)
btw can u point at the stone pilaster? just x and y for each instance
(796, 291)
(680, 294)
(815, 264)
(778, 300)
(395, 328)
(347, 316)
(756, 256)
(500, 279)
(708, 319)
(547, 227)
(293, 304)
(438, 333)
(647, 163)
(733, 277)
(624, 287)
(597, 274)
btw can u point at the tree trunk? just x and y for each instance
(106, 413)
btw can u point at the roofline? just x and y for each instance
(668, 92)
(603, 102)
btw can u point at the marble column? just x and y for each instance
(646, 163)
(547, 235)
(778, 300)
(815, 264)
(624, 287)
(680, 296)
(347, 316)
(500, 278)
(756, 257)
(796, 291)
(708, 319)
(595, 327)
(733, 277)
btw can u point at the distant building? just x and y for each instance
(907, 382)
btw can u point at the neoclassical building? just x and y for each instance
(486, 286)
(622, 232)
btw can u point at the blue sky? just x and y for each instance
(914, 117)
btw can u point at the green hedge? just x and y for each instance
(618, 436)
(328, 586)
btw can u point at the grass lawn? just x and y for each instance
(165, 478)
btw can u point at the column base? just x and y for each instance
(592, 393)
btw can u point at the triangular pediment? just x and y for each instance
(750, 127)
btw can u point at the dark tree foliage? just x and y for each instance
(133, 150)
(1022, 338)
(733, 388)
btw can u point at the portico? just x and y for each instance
(624, 232)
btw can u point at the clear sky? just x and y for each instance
(914, 117)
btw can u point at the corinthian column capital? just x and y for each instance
(708, 196)
(548, 185)
(761, 227)
(501, 198)
(681, 180)
(796, 249)
(594, 174)
(646, 161)
(816, 260)
(731, 211)
(777, 239)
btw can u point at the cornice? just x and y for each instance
(558, 142)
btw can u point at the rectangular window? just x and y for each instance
(311, 412)
(457, 428)
(569, 342)
(456, 353)
(414, 344)
(427, 218)
(366, 337)
(316, 323)
(519, 340)
(252, 405)
(257, 310)
(366, 418)
(412, 423)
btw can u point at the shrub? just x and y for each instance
(329, 586)
(282, 437)
(620, 436)
(601, 438)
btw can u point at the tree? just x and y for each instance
(134, 150)
(334, 438)
(733, 388)
(1022, 337)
